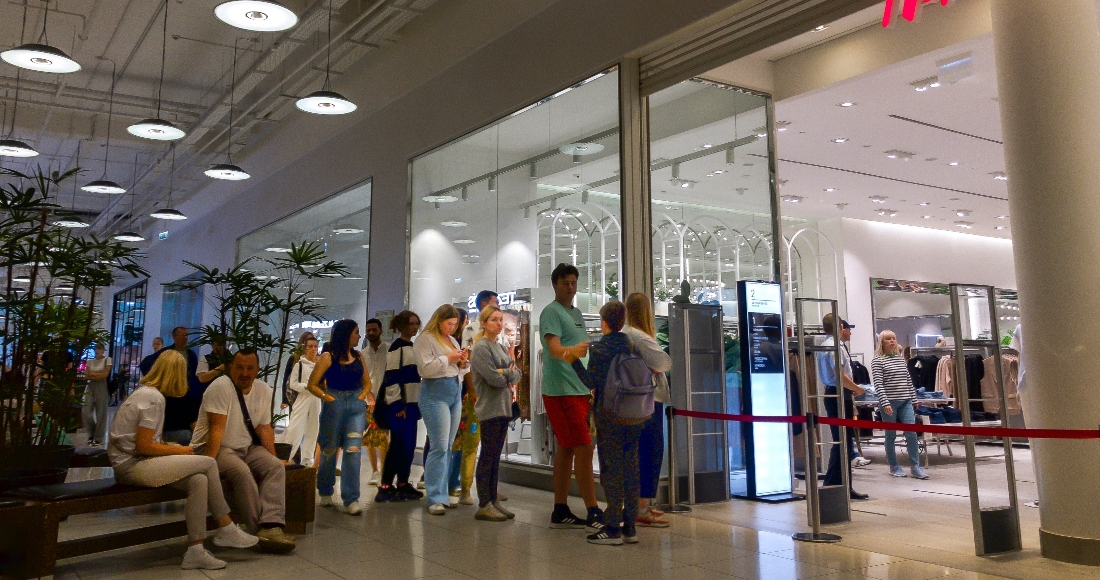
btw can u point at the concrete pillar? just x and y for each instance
(1048, 70)
(637, 253)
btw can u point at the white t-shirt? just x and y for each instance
(376, 364)
(221, 398)
(98, 365)
(143, 408)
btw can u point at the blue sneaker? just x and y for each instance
(897, 471)
(918, 473)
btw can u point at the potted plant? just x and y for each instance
(47, 301)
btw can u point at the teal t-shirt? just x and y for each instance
(558, 377)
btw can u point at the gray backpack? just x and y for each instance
(627, 397)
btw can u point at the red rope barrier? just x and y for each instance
(916, 428)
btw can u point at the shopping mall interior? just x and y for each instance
(689, 152)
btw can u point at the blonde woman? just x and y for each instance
(140, 457)
(896, 395)
(494, 375)
(441, 364)
(651, 449)
(305, 413)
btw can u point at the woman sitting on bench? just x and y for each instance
(140, 457)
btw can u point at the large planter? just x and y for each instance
(39, 465)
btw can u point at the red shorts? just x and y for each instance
(568, 417)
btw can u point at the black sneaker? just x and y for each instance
(606, 537)
(406, 492)
(386, 493)
(630, 534)
(565, 520)
(594, 524)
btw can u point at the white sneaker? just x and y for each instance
(197, 558)
(232, 536)
(353, 509)
(861, 461)
(452, 503)
(437, 509)
(466, 499)
(375, 478)
(420, 484)
(326, 501)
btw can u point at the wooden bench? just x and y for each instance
(29, 546)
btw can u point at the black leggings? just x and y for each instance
(399, 456)
(493, 433)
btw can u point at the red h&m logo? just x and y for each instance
(909, 10)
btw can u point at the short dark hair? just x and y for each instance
(483, 298)
(614, 314)
(246, 351)
(402, 319)
(562, 270)
(373, 321)
(183, 328)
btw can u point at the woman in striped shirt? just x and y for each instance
(896, 395)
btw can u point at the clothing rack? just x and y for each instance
(941, 349)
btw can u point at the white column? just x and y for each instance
(1048, 70)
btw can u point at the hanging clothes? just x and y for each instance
(975, 372)
(945, 376)
(1010, 370)
(922, 369)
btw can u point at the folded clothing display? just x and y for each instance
(925, 394)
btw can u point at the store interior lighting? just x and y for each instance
(39, 56)
(325, 101)
(167, 213)
(157, 128)
(228, 171)
(104, 185)
(256, 15)
(72, 221)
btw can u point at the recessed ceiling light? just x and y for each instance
(781, 125)
(580, 149)
(277, 250)
(927, 217)
(1002, 217)
(830, 189)
(256, 15)
(877, 199)
(707, 145)
(820, 28)
(365, 246)
(846, 104)
(347, 229)
(442, 198)
(962, 212)
(887, 212)
(925, 84)
(898, 154)
(924, 204)
(453, 224)
(840, 140)
(792, 198)
(1000, 175)
(964, 225)
(1002, 227)
(954, 164)
(464, 241)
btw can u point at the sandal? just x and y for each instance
(651, 520)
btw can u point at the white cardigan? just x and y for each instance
(655, 358)
(431, 358)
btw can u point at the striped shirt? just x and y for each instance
(891, 378)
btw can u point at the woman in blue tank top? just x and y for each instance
(345, 399)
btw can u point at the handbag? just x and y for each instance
(290, 394)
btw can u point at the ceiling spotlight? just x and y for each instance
(924, 204)
(1002, 217)
(168, 214)
(492, 183)
(954, 164)
(925, 84)
(324, 101)
(820, 28)
(781, 125)
(158, 129)
(256, 15)
(440, 198)
(104, 186)
(840, 140)
(792, 198)
(846, 104)
(227, 171)
(580, 148)
(16, 148)
(277, 250)
(70, 222)
(964, 225)
(365, 246)
(346, 229)
(1000, 175)
(927, 217)
(464, 242)
(887, 212)
(453, 224)
(830, 189)
(877, 199)
(1001, 227)
(129, 236)
(962, 212)
(897, 154)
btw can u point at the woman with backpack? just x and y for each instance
(305, 408)
(617, 436)
(651, 449)
(494, 375)
(397, 410)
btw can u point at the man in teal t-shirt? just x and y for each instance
(565, 397)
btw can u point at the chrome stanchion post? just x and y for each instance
(673, 506)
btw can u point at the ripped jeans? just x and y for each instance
(343, 422)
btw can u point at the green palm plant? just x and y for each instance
(54, 315)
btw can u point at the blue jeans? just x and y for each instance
(441, 407)
(903, 413)
(651, 451)
(343, 422)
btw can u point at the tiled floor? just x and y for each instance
(901, 534)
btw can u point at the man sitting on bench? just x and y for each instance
(234, 427)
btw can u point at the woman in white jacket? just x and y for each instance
(651, 448)
(441, 364)
(305, 413)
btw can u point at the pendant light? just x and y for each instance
(167, 213)
(104, 185)
(256, 15)
(40, 56)
(130, 234)
(324, 101)
(228, 171)
(13, 147)
(158, 129)
(72, 221)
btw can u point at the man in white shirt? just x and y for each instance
(242, 441)
(483, 299)
(375, 354)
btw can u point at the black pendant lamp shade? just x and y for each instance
(324, 101)
(167, 213)
(40, 56)
(16, 148)
(104, 185)
(130, 234)
(256, 15)
(158, 129)
(72, 221)
(228, 171)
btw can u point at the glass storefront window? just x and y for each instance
(127, 333)
(341, 224)
(500, 208)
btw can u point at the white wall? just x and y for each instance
(882, 250)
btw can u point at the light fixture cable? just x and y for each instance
(163, 52)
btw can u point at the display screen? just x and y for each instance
(763, 317)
